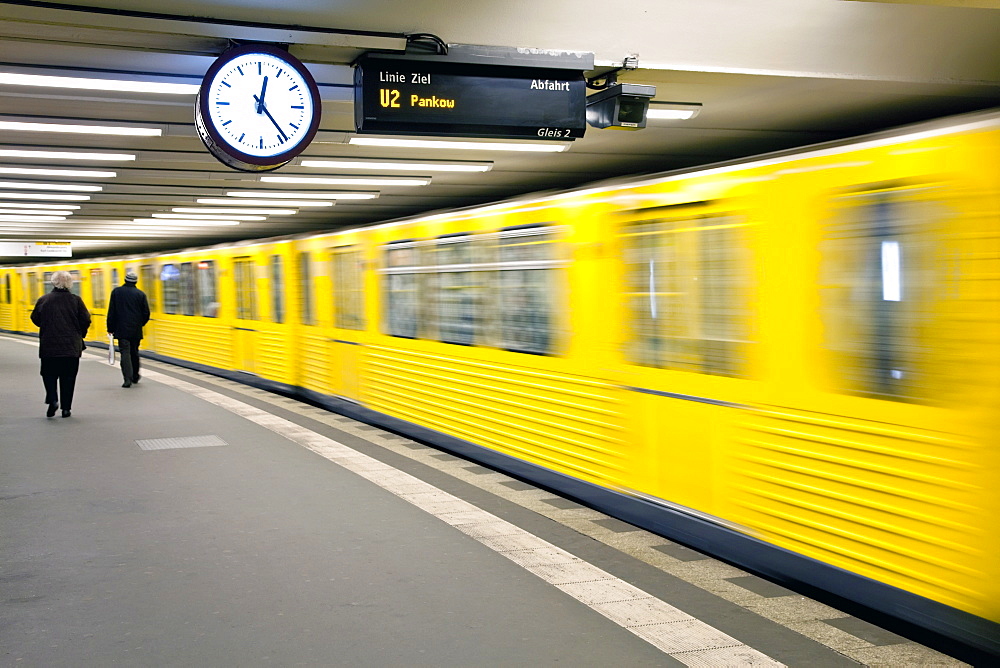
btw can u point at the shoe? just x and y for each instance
(127, 383)
(136, 379)
(52, 410)
(65, 413)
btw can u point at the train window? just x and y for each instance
(457, 292)
(114, 277)
(189, 296)
(75, 288)
(879, 283)
(399, 287)
(246, 293)
(147, 274)
(97, 287)
(305, 289)
(528, 289)
(348, 288)
(33, 293)
(6, 289)
(206, 287)
(688, 284)
(277, 289)
(170, 278)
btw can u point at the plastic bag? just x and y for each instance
(111, 350)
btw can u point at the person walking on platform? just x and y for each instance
(63, 320)
(128, 311)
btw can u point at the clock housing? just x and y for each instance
(258, 107)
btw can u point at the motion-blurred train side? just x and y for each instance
(791, 362)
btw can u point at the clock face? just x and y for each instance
(258, 108)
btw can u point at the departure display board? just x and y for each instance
(398, 96)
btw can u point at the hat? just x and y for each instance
(130, 277)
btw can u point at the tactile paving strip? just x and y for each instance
(180, 442)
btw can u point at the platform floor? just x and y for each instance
(192, 521)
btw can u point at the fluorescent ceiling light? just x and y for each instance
(33, 171)
(467, 145)
(184, 222)
(189, 216)
(260, 202)
(51, 186)
(428, 166)
(675, 111)
(302, 195)
(29, 219)
(21, 205)
(123, 232)
(345, 181)
(33, 212)
(81, 129)
(65, 155)
(82, 83)
(261, 212)
(54, 197)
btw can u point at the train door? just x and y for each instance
(689, 341)
(6, 303)
(347, 275)
(276, 351)
(147, 283)
(245, 325)
(99, 304)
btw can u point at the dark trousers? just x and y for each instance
(129, 349)
(61, 370)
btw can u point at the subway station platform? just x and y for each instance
(193, 521)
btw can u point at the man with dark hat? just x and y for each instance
(128, 311)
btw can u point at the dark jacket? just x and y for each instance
(63, 321)
(128, 311)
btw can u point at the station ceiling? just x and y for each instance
(769, 74)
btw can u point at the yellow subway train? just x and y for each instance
(791, 362)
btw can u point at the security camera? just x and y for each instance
(621, 106)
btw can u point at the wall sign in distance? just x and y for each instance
(400, 96)
(258, 108)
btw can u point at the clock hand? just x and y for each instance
(260, 101)
(260, 105)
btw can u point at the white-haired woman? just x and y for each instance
(63, 321)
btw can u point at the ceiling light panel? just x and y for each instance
(300, 195)
(54, 197)
(389, 165)
(460, 145)
(190, 216)
(22, 205)
(36, 171)
(82, 83)
(672, 111)
(18, 126)
(345, 180)
(261, 202)
(259, 212)
(33, 212)
(184, 222)
(50, 186)
(65, 155)
(29, 218)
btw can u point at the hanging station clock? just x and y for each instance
(258, 108)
